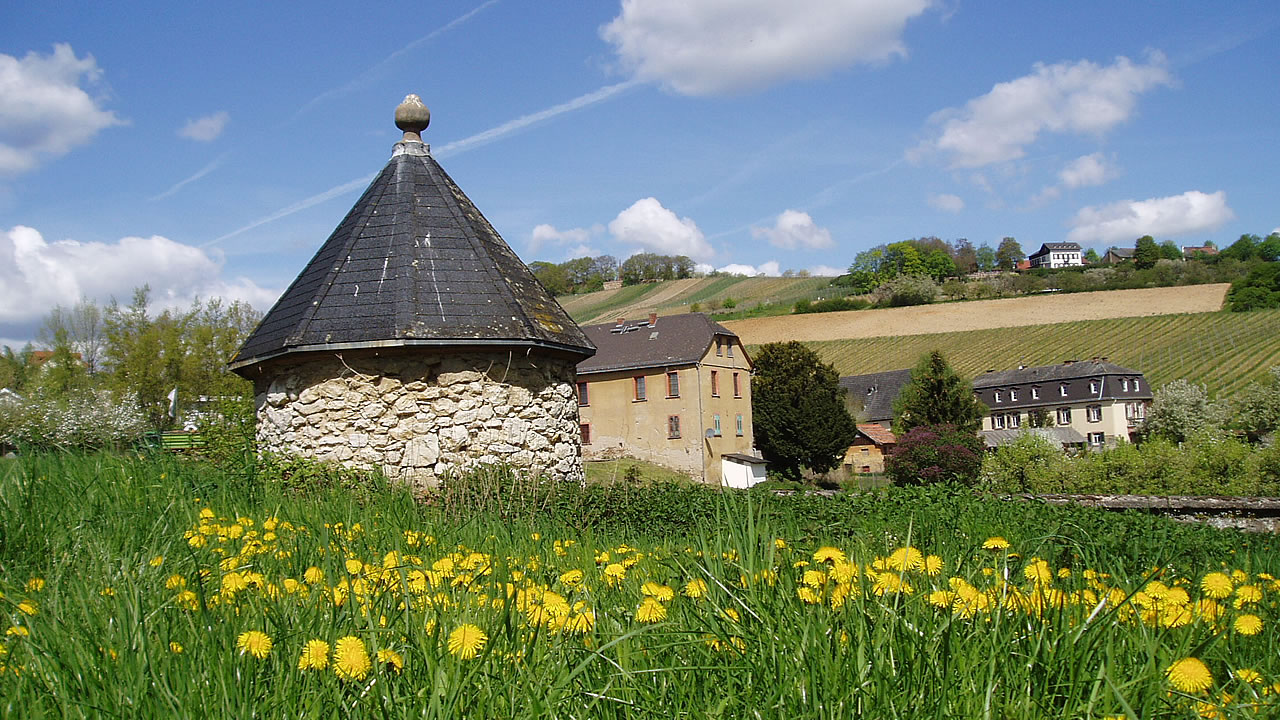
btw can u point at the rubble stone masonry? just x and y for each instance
(419, 417)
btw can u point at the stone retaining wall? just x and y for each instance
(419, 417)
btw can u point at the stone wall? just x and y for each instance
(423, 415)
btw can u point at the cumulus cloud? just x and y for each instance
(946, 203)
(36, 275)
(205, 129)
(1087, 171)
(794, 229)
(710, 48)
(1124, 221)
(1079, 98)
(826, 271)
(650, 226)
(44, 111)
(770, 268)
(577, 240)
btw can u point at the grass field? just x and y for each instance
(677, 296)
(152, 587)
(1223, 350)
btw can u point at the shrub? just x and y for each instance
(907, 290)
(1029, 464)
(81, 420)
(931, 454)
(830, 305)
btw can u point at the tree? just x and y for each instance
(1091, 257)
(83, 327)
(553, 277)
(1243, 249)
(1269, 249)
(1170, 251)
(1009, 254)
(1256, 409)
(798, 412)
(986, 258)
(965, 255)
(1180, 409)
(1258, 290)
(930, 454)
(937, 395)
(1145, 253)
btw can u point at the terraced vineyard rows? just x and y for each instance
(1225, 351)
(678, 295)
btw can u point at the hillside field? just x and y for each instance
(1223, 350)
(677, 296)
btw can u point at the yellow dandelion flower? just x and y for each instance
(813, 578)
(1246, 594)
(732, 614)
(651, 611)
(1247, 624)
(255, 643)
(315, 655)
(658, 591)
(350, 658)
(466, 641)
(176, 648)
(187, 600)
(572, 578)
(933, 565)
(1216, 585)
(353, 566)
(313, 575)
(391, 660)
(1190, 675)
(808, 595)
(1038, 571)
(35, 584)
(995, 543)
(156, 561)
(889, 583)
(26, 607)
(695, 588)
(175, 581)
(1253, 677)
(1240, 576)
(780, 544)
(906, 558)
(233, 582)
(828, 554)
(614, 573)
(17, 631)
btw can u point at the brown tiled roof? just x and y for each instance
(878, 434)
(672, 340)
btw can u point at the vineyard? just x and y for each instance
(1225, 351)
(678, 296)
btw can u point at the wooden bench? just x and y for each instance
(180, 441)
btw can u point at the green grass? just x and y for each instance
(774, 296)
(106, 534)
(1223, 350)
(611, 471)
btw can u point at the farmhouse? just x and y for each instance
(1101, 401)
(675, 391)
(867, 453)
(1115, 256)
(1057, 255)
(872, 395)
(416, 341)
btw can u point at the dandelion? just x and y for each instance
(651, 611)
(1253, 677)
(907, 558)
(614, 573)
(315, 655)
(255, 643)
(175, 581)
(350, 658)
(156, 561)
(175, 648)
(354, 566)
(313, 575)
(571, 578)
(780, 544)
(813, 578)
(933, 565)
(187, 600)
(1246, 594)
(1190, 675)
(995, 543)
(26, 607)
(828, 554)
(695, 588)
(466, 641)
(391, 660)
(1038, 571)
(1247, 624)
(35, 584)
(1216, 585)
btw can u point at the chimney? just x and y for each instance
(622, 321)
(653, 319)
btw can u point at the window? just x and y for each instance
(1097, 438)
(997, 421)
(716, 419)
(583, 397)
(729, 349)
(1136, 388)
(999, 396)
(715, 384)
(673, 426)
(1124, 384)
(1014, 421)
(865, 450)
(640, 394)
(719, 347)
(1093, 386)
(1035, 393)
(1135, 412)
(1013, 395)
(1093, 413)
(673, 384)
(1064, 416)
(739, 424)
(737, 386)
(1062, 390)
(585, 429)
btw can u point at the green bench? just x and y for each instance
(180, 441)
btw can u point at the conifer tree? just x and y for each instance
(936, 395)
(798, 412)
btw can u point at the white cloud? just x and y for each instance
(826, 271)
(794, 229)
(946, 203)
(709, 48)
(577, 239)
(1080, 98)
(205, 129)
(1087, 171)
(36, 275)
(1127, 220)
(43, 110)
(649, 225)
(770, 268)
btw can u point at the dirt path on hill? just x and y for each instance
(981, 314)
(640, 308)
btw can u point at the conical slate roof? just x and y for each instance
(413, 264)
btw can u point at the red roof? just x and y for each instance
(879, 434)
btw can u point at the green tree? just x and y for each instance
(15, 368)
(1091, 257)
(1180, 409)
(1256, 409)
(1009, 254)
(798, 412)
(1145, 253)
(1243, 249)
(965, 255)
(986, 258)
(1269, 249)
(1258, 290)
(553, 277)
(937, 395)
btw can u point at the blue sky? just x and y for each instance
(210, 151)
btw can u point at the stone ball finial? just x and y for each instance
(412, 117)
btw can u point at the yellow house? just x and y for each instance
(674, 391)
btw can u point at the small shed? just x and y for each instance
(738, 470)
(416, 342)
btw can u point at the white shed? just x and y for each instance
(741, 471)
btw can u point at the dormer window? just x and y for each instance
(1093, 386)
(1013, 395)
(1035, 393)
(1062, 389)
(999, 396)
(1124, 384)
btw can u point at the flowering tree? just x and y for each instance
(930, 454)
(1180, 409)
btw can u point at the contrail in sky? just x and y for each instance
(199, 174)
(362, 77)
(453, 148)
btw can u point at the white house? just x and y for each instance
(1057, 255)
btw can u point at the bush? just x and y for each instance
(906, 290)
(1029, 464)
(830, 305)
(82, 420)
(930, 454)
